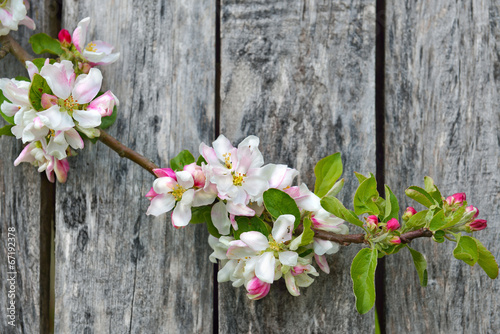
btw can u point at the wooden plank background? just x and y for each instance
(443, 120)
(301, 76)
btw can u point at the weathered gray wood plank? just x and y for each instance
(20, 200)
(300, 75)
(443, 120)
(118, 270)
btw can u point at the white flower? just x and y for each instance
(13, 14)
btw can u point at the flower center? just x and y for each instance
(177, 192)
(91, 47)
(238, 178)
(227, 160)
(273, 245)
(70, 103)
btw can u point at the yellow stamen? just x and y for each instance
(238, 178)
(91, 47)
(227, 160)
(177, 192)
(273, 245)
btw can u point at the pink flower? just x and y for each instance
(471, 208)
(197, 173)
(410, 211)
(257, 289)
(162, 172)
(104, 104)
(457, 198)
(477, 225)
(372, 222)
(395, 240)
(392, 224)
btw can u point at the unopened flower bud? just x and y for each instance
(392, 224)
(395, 240)
(471, 208)
(162, 172)
(64, 37)
(84, 67)
(257, 289)
(476, 225)
(372, 222)
(197, 173)
(457, 198)
(410, 211)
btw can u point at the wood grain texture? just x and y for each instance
(443, 120)
(300, 75)
(118, 270)
(20, 200)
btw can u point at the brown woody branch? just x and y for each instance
(9, 44)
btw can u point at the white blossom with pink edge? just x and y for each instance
(13, 14)
(95, 52)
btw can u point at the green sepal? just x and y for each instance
(486, 260)
(182, 159)
(279, 203)
(416, 221)
(363, 278)
(391, 205)
(365, 197)
(42, 43)
(420, 195)
(107, 121)
(6, 130)
(247, 224)
(39, 86)
(466, 250)
(327, 172)
(420, 265)
(334, 206)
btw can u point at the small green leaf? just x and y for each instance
(365, 196)
(439, 236)
(487, 260)
(200, 160)
(432, 189)
(39, 86)
(420, 195)
(391, 205)
(466, 250)
(198, 214)
(247, 224)
(22, 78)
(360, 177)
(327, 172)
(420, 264)
(279, 203)
(42, 43)
(5, 131)
(363, 278)
(416, 221)
(8, 119)
(437, 221)
(442, 223)
(182, 159)
(107, 121)
(305, 238)
(333, 205)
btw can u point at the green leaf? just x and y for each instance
(433, 190)
(42, 43)
(198, 214)
(327, 172)
(420, 264)
(38, 87)
(333, 205)
(486, 260)
(21, 78)
(279, 203)
(466, 250)
(337, 187)
(305, 238)
(391, 205)
(439, 236)
(437, 221)
(247, 224)
(360, 177)
(182, 159)
(363, 278)
(416, 221)
(40, 62)
(200, 160)
(442, 223)
(107, 121)
(365, 196)
(420, 195)
(8, 119)
(5, 131)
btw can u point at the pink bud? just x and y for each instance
(299, 269)
(411, 210)
(471, 208)
(48, 101)
(392, 224)
(162, 172)
(478, 225)
(64, 37)
(104, 104)
(372, 222)
(257, 289)
(84, 67)
(457, 198)
(395, 240)
(197, 173)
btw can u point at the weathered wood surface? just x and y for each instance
(300, 75)
(20, 200)
(118, 270)
(443, 120)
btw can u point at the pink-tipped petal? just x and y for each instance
(74, 139)
(80, 33)
(87, 86)
(322, 263)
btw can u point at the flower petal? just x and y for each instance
(80, 33)
(220, 218)
(163, 185)
(185, 179)
(288, 258)
(290, 285)
(87, 86)
(264, 269)
(73, 138)
(255, 240)
(181, 215)
(283, 228)
(161, 204)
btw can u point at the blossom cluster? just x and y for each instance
(53, 109)
(12, 14)
(230, 182)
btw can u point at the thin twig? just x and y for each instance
(16, 49)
